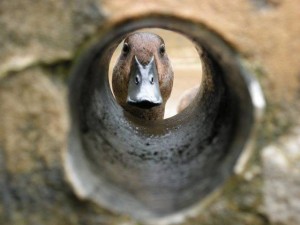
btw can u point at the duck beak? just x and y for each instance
(143, 88)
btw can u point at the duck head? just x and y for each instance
(143, 77)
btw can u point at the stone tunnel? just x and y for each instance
(69, 154)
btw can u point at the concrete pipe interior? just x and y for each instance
(155, 169)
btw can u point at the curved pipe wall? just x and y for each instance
(154, 169)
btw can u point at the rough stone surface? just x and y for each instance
(281, 172)
(32, 137)
(33, 111)
(44, 31)
(34, 32)
(86, 18)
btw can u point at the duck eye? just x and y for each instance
(125, 48)
(152, 80)
(162, 49)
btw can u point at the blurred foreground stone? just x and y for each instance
(281, 166)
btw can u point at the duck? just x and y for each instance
(142, 78)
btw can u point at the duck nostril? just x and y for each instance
(137, 80)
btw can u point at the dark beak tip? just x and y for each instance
(144, 104)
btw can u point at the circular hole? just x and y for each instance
(186, 65)
(152, 169)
